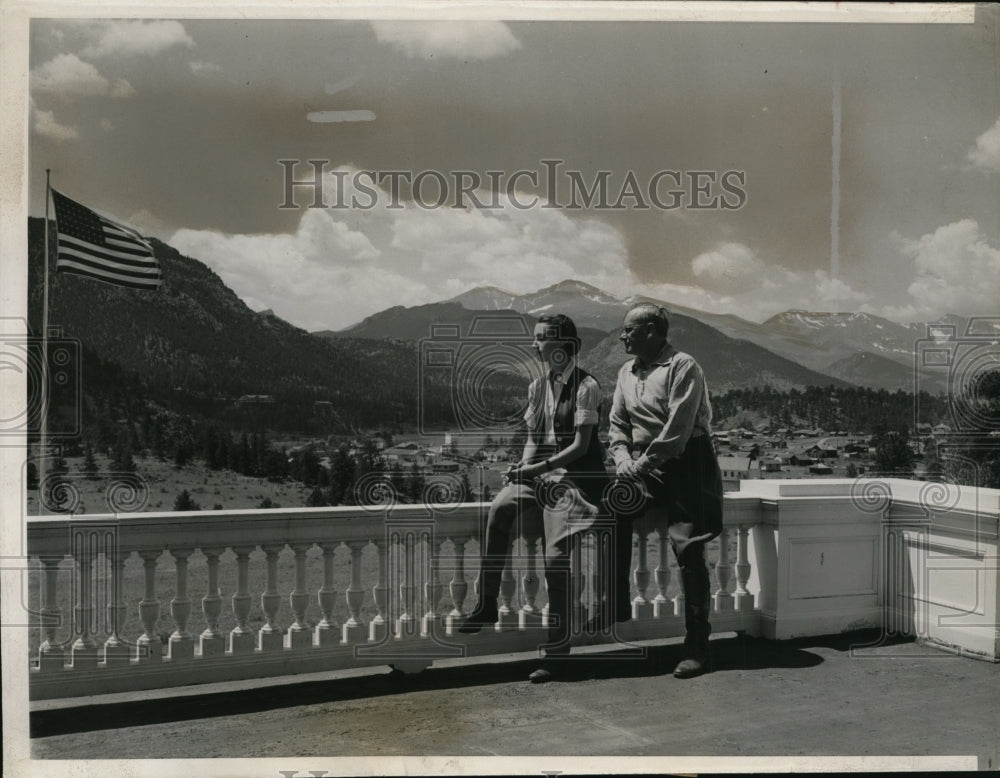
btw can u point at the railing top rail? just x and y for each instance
(348, 524)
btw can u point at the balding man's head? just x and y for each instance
(647, 313)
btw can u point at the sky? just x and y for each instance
(862, 161)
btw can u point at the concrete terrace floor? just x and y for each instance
(810, 697)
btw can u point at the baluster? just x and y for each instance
(299, 634)
(326, 632)
(181, 644)
(149, 647)
(406, 623)
(378, 628)
(115, 649)
(598, 573)
(575, 615)
(642, 608)
(50, 653)
(529, 615)
(353, 630)
(84, 650)
(662, 606)
(743, 598)
(508, 619)
(588, 560)
(241, 638)
(458, 588)
(723, 600)
(270, 637)
(433, 588)
(211, 640)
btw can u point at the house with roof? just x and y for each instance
(735, 469)
(772, 464)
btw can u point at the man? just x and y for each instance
(562, 416)
(660, 425)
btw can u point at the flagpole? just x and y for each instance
(44, 388)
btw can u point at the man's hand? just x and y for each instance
(626, 469)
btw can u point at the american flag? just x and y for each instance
(90, 245)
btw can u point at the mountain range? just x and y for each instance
(195, 338)
(792, 349)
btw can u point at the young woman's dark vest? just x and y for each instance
(591, 464)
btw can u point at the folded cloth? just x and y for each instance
(565, 509)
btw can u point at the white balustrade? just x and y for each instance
(299, 634)
(50, 653)
(742, 598)
(181, 644)
(326, 631)
(270, 637)
(379, 627)
(458, 587)
(149, 647)
(662, 606)
(241, 639)
(529, 614)
(406, 593)
(722, 598)
(211, 642)
(407, 620)
(508, 618)
(355, 594)
(433, 588)
(642, 608)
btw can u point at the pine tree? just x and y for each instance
(415, 485)
(89, 467)
(58, 465)
(184, 502)
(893, 455)
(122, 460)
(316, 499)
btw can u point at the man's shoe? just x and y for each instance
(479, 618)
(541, 675)
(689, 668)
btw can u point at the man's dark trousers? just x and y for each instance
(689, 490)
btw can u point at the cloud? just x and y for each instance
(454, 39)
(45, 124)
(342, 265)
(107, 125)
(115, 38)
(69, 77)
(728, 266)
(956, 271)
(121, 88)
(201, 68)
(986, 154)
